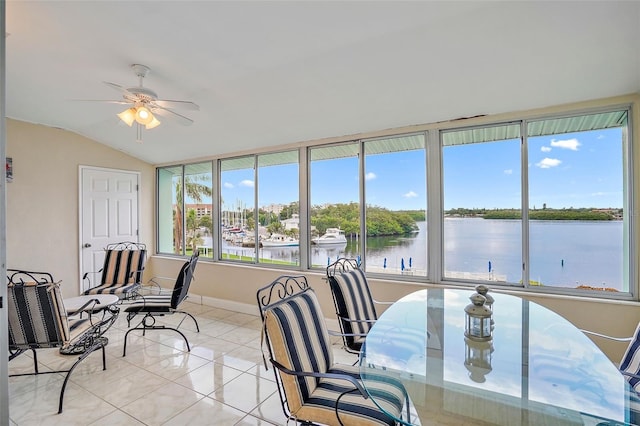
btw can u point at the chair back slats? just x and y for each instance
(352, 298)
(299, 340)
(123, 266)
(37, 317)
(183, 282)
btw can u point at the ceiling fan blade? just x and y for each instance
(165, 112)
(110, 101)
(168, 103)
(119, 88)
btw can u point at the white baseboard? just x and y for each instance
(244, 308)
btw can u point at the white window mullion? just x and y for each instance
(525, 203)
(435, 207)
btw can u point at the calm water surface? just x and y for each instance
(562, 253)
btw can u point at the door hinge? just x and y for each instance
(0, 302)
(137, 187)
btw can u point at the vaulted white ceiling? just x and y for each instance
(270, 73)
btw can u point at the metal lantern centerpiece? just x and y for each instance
(484, 290)
(477, 324)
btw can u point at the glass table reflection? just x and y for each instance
(537, 369)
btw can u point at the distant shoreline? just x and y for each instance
(540, 214)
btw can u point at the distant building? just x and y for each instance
(201, 209)
(292, 223)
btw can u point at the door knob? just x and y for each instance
(87, 245)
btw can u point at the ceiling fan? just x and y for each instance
(145, 104)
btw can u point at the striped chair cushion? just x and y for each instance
(122, 272)
(631, 360)
(320, 406)
(300, 342)
(37, 317)
(151, 303)
(354, 301)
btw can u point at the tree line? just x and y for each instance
(537, 214)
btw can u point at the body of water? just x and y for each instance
(562, 253)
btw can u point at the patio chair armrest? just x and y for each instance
(85, 277)
(628, 374)
(154, 279)
(91, 303)
(604, 336)
(338, 334)
(345, 377)
(365, 321)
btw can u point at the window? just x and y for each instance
(237, 201)
(185, 209)
(396, 201)
(334, 200)
(577, 202)
(541, 203)
(573, 187)
(279, 208)
(482, 226)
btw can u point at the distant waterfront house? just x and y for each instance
(292, 223)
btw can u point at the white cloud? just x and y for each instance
(545, 149)
(228, 185)
(410, 194)
(508, 172)
(370, 176)
(547, 163)
(571, 144)
(247, 183)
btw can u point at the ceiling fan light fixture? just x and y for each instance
(143, 115)
(154, 123)
(128, 116)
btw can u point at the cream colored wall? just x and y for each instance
(42, 200)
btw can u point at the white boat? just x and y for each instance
(279, 240)
(331, 236)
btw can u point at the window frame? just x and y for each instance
(435, 202)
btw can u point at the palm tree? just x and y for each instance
(196, 190)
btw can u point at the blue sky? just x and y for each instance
(570, 170)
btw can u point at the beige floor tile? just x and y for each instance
(270, 410)
(80, 406)
(217, 328)
(161, 404)
(241, 335)
(117, 418)
(254, 421)
(207, 412)
(126, 385)
(245, 392)
(208, 378)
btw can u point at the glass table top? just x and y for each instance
(538, 368)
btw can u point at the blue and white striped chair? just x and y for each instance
(313, 389)
(122, 270)
(355, 307)
(38, 320)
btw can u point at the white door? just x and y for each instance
(109, 214)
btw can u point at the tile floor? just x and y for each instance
(222, 381)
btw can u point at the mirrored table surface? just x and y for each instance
(537, 368)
